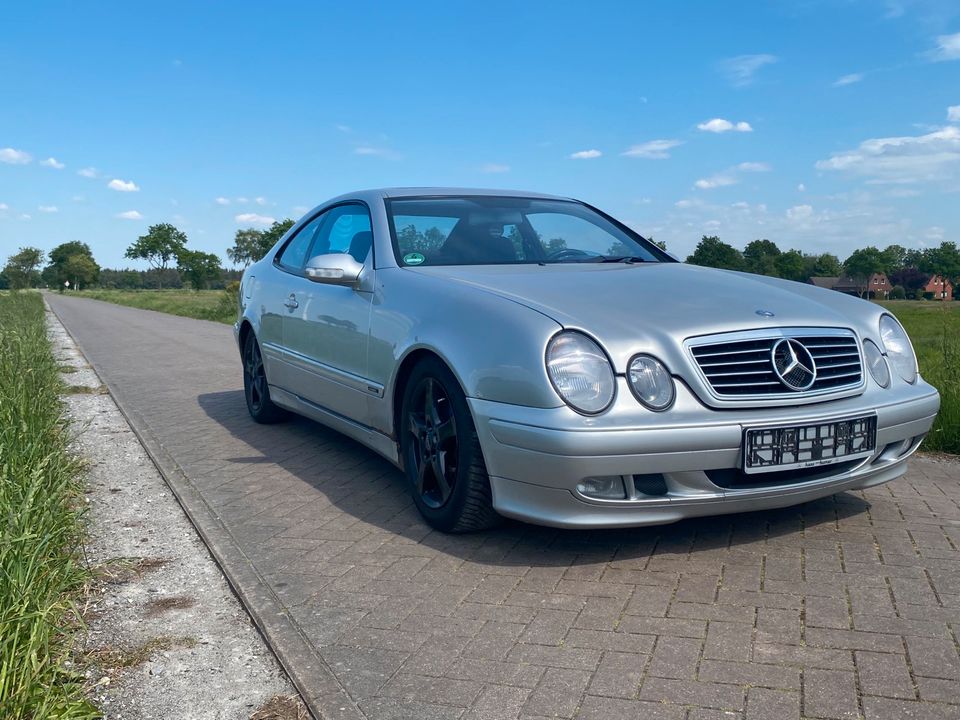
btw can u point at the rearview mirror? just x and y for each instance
(333, 269)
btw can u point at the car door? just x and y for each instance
(326, 328)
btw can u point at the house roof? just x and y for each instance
(824, 281)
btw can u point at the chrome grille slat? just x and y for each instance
(741, 368)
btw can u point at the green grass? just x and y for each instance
(41, 574)
(934, 328)
(217, 305)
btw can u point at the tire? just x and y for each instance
(438, 439)
(255, 387)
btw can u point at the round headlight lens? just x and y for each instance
(651, 382)
(899, 350)
(580, 372)
(878, 366)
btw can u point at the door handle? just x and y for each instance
(292, 302)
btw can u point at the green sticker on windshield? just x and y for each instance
(413, 258)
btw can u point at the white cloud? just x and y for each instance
(754, 167)
(494, 168)
(741, 71)
(907, 159)
(47, 208)
(123, 185)
(14, 157)
(375, 151)
(801, 188)
(585, 154)
(222, 201)
(300, 209)
(53, 163)
(714, 182)
(344, 128)
(261, 201)
(25, 216)
(653, 150)
(720, 125)
(953, 113)
(4, 207)
(948, 48)
(848, 79)
(254, 219)
(242, 200)
(130, 215)
(89, 172)
(741, 205)
(799, 212)
(682, 204)
(903, 192)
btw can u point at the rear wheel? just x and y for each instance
(441, 452)
(255, 388)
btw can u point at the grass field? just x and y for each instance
(217, 305)
(934, 328)
(40, 531)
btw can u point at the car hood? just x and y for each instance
(653, 307)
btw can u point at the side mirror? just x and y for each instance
(333, 269)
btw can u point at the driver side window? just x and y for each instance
(294, 255)
(346, 230)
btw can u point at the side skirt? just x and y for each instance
(373, 439)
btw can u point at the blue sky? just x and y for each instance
(821, 125)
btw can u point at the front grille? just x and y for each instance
(740, 368)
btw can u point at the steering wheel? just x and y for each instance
(566, 253)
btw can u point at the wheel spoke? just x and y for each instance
(429, 402)
(446, 430)
(421, 472)
(438, 467)
(415, 425)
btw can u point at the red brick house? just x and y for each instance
(877, 285)
(940, 288)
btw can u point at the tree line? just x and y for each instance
(908, 269)
(163, 248)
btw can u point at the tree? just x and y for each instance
(943, 261)
(894, 258)
(662, 244)
(158, 247)
(862, 264)
(23, 269)
(760, 257)
(828, 265)
(71, 261)
(250, 245)
(712, 252)
(792, 266)
(199, 268)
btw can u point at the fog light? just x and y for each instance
(609, 487)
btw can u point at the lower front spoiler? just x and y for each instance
(558, 507)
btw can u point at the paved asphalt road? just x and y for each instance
(846, 607)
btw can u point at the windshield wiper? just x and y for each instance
(628, 259)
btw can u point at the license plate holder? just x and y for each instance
(789, 447)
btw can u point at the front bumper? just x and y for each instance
(536, 457)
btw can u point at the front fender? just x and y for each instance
(494, 346)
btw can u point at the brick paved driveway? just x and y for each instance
(842, 608)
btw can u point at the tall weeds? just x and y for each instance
(40, 570)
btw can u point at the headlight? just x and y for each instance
(650, 382)
(899, 350)
(877, 364)
(580, 372)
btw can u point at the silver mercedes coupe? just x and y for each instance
(529, 356)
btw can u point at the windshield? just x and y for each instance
(509, 230)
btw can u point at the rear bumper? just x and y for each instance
(536, 458)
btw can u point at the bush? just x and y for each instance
(230, 300)
(898, 293)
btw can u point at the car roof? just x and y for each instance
(410, 192)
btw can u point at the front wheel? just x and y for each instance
(255, 388)
(441, 452)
